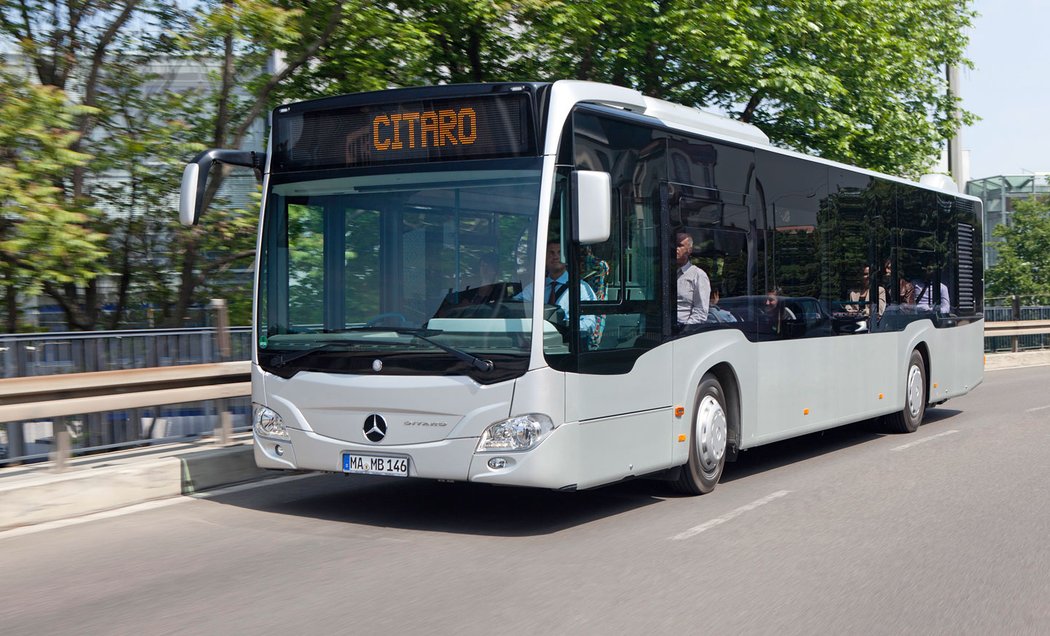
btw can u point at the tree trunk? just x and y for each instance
(11, 312)
(124, 282)
(752, 106)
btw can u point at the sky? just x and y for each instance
(1009, 88)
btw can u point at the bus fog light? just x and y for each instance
(278, 450)
(267, 423)
(516, 434)
(498, 462)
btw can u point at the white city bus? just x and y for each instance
(403, 231)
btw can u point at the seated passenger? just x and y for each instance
(773, 313)
(923, 295)
(861, 295)
(716, 313)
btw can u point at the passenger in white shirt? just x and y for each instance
(694, 287)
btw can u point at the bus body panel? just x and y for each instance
(625, 429)
(555, 463)
(814, 383)
(956, 360)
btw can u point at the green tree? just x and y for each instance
(859, 81)
(67, 45)
(242, 35)
(1023, 267)
(41, 237)
(150, 132)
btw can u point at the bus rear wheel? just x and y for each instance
(907, 420)
(707, 452)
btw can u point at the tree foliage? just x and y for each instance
(1023, 268)
(41, 237)
(69, 45)
(860, 81)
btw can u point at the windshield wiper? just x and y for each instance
(288, 358)
(422, 334)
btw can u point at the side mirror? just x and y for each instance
(591, 206)
(195, 178)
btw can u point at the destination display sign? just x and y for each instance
(479, 127)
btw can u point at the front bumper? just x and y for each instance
(553, 463)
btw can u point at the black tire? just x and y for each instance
(908, 419)
(707, 448)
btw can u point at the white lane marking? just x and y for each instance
(729, 516)
(1038, 408)
(923, 440)
(141, 507)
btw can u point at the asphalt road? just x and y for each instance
(850, 531)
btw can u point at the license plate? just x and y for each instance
(375, 465)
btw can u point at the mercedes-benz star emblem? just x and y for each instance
(375, 428)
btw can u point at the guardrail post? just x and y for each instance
(1016, 316)
(16, 441)
(224, 430)
(62, 446)
(222, 328)
(10, 349)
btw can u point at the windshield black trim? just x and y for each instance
(400, 363)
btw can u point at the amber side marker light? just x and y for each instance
(679, 411)
(681, 438)
(805, 411)
(881, 396)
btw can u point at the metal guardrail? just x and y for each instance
(1016, 335)
(1016, 328)
(44, 354)
(57, 397)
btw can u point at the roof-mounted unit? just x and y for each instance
(702, 121)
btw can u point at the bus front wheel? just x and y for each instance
(907, 420)
(707, 452)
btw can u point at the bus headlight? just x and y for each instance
(267, 423)
(516, 434)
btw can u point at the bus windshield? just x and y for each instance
(413, 272)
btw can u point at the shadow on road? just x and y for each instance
(459, 508)
(799, 449)
(481, 509)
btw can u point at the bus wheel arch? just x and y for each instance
(713, 430)
(731, 387)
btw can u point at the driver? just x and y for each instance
(556, 283)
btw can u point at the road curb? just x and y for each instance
(40, 496)
(222, 467)
(998, 361)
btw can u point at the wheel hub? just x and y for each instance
(710, 433)
(915, 391)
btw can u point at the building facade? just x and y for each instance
(998, 195)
